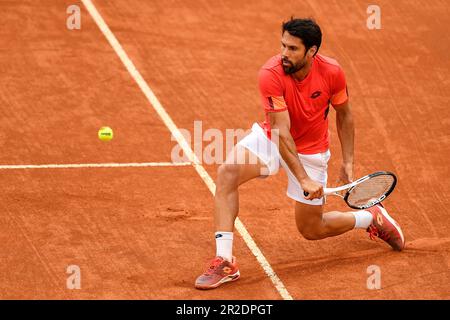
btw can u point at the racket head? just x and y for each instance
(371, 191)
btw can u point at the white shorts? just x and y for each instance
(315, 164)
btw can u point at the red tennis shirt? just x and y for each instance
(307, 101)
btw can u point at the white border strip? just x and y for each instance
(182, 142)
(95, 165)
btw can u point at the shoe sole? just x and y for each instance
(229, 278)
(393, 224)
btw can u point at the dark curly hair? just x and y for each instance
(305, 29)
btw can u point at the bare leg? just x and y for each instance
(313, 224)
(230, 176)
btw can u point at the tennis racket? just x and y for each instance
(366, 191)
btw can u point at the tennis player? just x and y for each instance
(296, 87)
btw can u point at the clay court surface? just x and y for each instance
(147, 232)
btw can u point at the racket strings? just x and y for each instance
(370, 190)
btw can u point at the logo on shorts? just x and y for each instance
(316, 94)
(219, 235)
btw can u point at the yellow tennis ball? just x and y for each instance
(105, 133)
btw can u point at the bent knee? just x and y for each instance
(310, 233)
(227, 175)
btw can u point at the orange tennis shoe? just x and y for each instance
(385, 228)
(219, 271)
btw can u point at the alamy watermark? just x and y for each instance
(74, 279)
(374, 279)
(374, 18)
(213, 146)
(73, 21)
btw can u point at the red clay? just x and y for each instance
(147, 233)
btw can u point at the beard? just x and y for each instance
(291, 68)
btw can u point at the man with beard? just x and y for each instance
(296, 88)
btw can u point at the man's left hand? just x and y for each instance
(346, 173)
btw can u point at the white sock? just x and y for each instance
(224, 245)
(363, 219)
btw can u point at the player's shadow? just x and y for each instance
(316, 264)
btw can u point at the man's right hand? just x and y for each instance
(313, 188)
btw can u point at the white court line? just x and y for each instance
(94, 165)
(182, 142)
